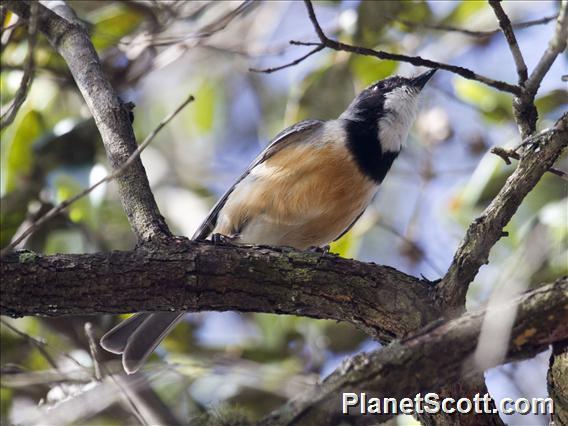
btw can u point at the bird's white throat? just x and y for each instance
(400, 109)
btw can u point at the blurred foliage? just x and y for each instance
(374, 19)
(495, 106)
(19, 158)
(231, 367)
(463, 11)
(111, 22)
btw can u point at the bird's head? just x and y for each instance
(389, 106)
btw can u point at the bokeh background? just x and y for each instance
(157, 53)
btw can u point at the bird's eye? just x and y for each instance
(375, 88)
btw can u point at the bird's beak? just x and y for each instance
(420, 81)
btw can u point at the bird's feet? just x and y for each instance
(318, 249)
(224, 239)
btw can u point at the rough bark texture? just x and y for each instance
(487, 229)
(385, 303)
(71, 41)
(196, 276)
(420, 363)
(558, 382)
(467, 388)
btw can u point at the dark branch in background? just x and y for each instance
(505, 25)
(290, 64)
(417, 364)
(38, 344)
(414, 60)
(29, 71)
(72, 42)
(196, 276)
(473, 33)
(114, 175)
(487, 229)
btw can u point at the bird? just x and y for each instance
(306, 189)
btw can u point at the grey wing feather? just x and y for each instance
(282, 140)
(147, 337)
(137, 336)
(115, 339)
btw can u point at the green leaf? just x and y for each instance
(19, 159)
(203, 111)
(551, 101)
(417, 11)
(375, 17)
(347, 246)
(111, 23)
(80, 210)
(462, 13)
(367, 69)
(5, 402)
(494, 106)
(326, 93)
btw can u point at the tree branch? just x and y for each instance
(414, 60)
(117, 173)
(557, 381)
(72, 42)
(487, 229)
(417, 365)
(505, 25)
(198, 276)
(290, 64)
(473, 33)
(525, 111)
(556, 46)
(28, 69)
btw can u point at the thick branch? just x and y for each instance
(72, 42)
(558, 382)
(418, 365)
(487, 229)
(199, 276)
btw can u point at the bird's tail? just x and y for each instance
(137, 337)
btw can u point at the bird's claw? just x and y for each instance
(317, 249)
(223, 239)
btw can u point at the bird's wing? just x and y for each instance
(350, 226)
(293, 134)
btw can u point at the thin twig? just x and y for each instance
(40, 345)
(29, 71)
(507, 154)
(473, 33)
(129, 401)
(413, 245)
(66, 203)
(290, 64)
(414, 60)
(505, 25)
(89, 332)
